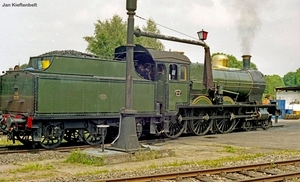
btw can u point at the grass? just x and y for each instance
(31, 171)
(80, 157)
(32, 167)
(77, 156)
(92, 172)
(287, 152)
(28, 171)
(220, 162)
(29, 176)
(5, 142)
(231, 149)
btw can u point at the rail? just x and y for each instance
(202, 174)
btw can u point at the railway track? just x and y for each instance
(275, 171)
(21, 149)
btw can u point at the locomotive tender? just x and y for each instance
(64, 97)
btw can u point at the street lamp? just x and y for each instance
(202, 35)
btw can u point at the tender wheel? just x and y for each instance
(176, 125)
(52, 136)
(202, 125)
(92, 135)
(225, 125)
(73, 135)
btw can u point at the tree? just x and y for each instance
(289, 79)
(272, 82)
(150, 42)
(112, 33)
(108, 35)
(297, 79)
(234, 63)
(23, 66)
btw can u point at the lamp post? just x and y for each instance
(127, 139)
(207, 74)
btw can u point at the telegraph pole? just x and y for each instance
(127, 139)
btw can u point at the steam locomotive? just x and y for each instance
(65, 95)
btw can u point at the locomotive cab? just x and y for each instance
(169, 72)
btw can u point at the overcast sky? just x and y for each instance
(267, 30)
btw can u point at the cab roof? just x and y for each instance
(141, 52)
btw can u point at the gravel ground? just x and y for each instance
(187, 150)
(62, 176)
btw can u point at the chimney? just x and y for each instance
(246, 62)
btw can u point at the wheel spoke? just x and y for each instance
(176, 126)
(266, 124)
(200, 126)
(225, 125)
(52, 136)
(91, 134)
(73, 135)
(247, 125)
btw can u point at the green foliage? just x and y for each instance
(78, 156)
(231, 149)
(220, 162)
(214, 162)
(5, 142)
(289, 79)
(150, 42)
(32, 167)
(253, 66)
(297, 79)
(30, 172)
(112, 33)
(272, 82)
(107, 35)
(234, 63)
(23, 66)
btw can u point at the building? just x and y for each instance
(288, 99)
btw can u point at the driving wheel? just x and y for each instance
(202, 125)
(177, 125)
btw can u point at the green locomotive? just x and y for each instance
(66, 96)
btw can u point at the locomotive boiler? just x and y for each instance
(65, 95)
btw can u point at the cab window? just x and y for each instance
(173, 72)
(161, 69)
(183, 73)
